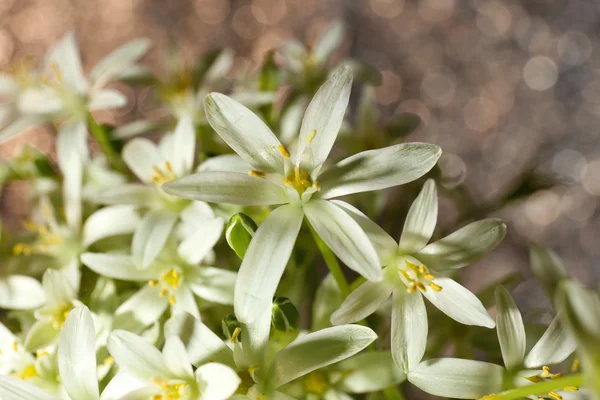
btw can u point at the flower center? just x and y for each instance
(300, 180)
(28, 372)
(418, 277)
(45, 241)
(546, 375)
(160, 176)
(169, 282)
(171, 391)
(60, 315)
(316, 383)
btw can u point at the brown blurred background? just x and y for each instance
(502, 86)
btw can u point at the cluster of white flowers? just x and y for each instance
(133, 245)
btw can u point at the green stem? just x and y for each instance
(538, 389)
(101, 137)
(331, 261)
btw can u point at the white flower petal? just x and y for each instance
(362, 302)
(457, 378)
(185, 301)
(41, 334)
(118, 266)
(77, 355)
(65, 56)
(57, 288)
(244, 132)
(183, 147)
(225, 163)
(409, 329)
(107, 99)
(117, 61)
(110, 221)
(369, 372)
(420, 221)
(318, 349)
(16, 389)
(385, 246)
(465, 246)
(219, 67)
(71, 153)
(195, 247)
(221, 381)
(547, 267)
(511, 331)
(141, 155)
(227, 187)
(176, 358)
(201, 343)
(555, 345)
(150, 237)
(214, 284)
(329, 41)
(121, 383)
(459, 303)
(8, 85)
(323, 119)
(135, 194)
(142, 309)
(291, 120)
(44, 101)
(378, 169)
(255, 340)
(136, 356)
(265, 261)
(344, 237)
(135, 128)
(19, 292)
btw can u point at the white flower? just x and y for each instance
(76, 365)
(409, 272)
(261, 375)
(173, 278)
(300, 185)
(169, 375)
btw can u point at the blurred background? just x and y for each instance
(509, 89)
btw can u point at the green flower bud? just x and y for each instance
(231, 328)
(285, 316)
(239, 232)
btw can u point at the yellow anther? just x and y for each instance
(162, 382)
(288, 180)
(311, 136)
(546, 372)
(571, 389)
(575, 365)
(41, 354)
(236, 334)
(29, 372)
(30, 226)
(423, 269)
(412, 266)
(421, 287)
(411, 288)
(169, 168)
(18, 249)
(157, 397)
(556, 376)
(257, 174)
(284, 152)
(108, 361)
(252, 368)
(429, 276)
(153, 283)
(405, 274)
(172, 300)
(555, 396)
(163, 292)
(172, 277)
(15, 346)
(435, 287)
(534, 379)
(158, 175)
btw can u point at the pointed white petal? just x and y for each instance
(65, 56)
(547, 267)
(107, 99)
(183, 147)
(344, 237)
(225, 163)
(41, 334)
(195, 247)
(118, 266)
(555, 345)
(362, 302)
(511, 331)
(121, 383)
(134, 355)
(77, 355)
(369, 372)
(57, 288)
(44, 101)
(220, 381)
(457, 378)
(219, 67)
(110, 221)
(420, 221)
(118, 60)
(385, 246)
(214, 284)
(329, 41)
(150, 237)
(255, 340)
(244, 132)
(378, 169)
(323, 119)
(291, 120)
(16, 389)
(142, 309)
(134, 194)
(265, 261)
(318, 349)
(141, 155)
(464, 246)
(409, 329)
(176, 358)
(135, 128)
(185, 301)
(19, 292)
(227, 187)
(201, 343)
(71, 152)
(459, 303)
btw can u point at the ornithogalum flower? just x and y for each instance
(412, 271)
(298, 183)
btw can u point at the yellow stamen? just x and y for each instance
(405, 274)
(575, 365)
(257, 174)
(29, 372)
(435, 287)
(556, 376)
(172, 300)
(421, 287)
(429, 276)
(571, 389)
(172, 277)
(412, 287)
(18, 249)
(109, 361)
(252, 369)
(311, 136)
(546, 372)
(236, 333)
(423, 269)
(153, 283)
(163, 292)
(169, 167)
(412, 266)
(555, 395)
(41, 354)
(284, 152)
(316, 186)
(288, 181)
(15, 346)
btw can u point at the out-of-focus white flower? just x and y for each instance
(300, 186)
(411, 272)
(169, 374)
